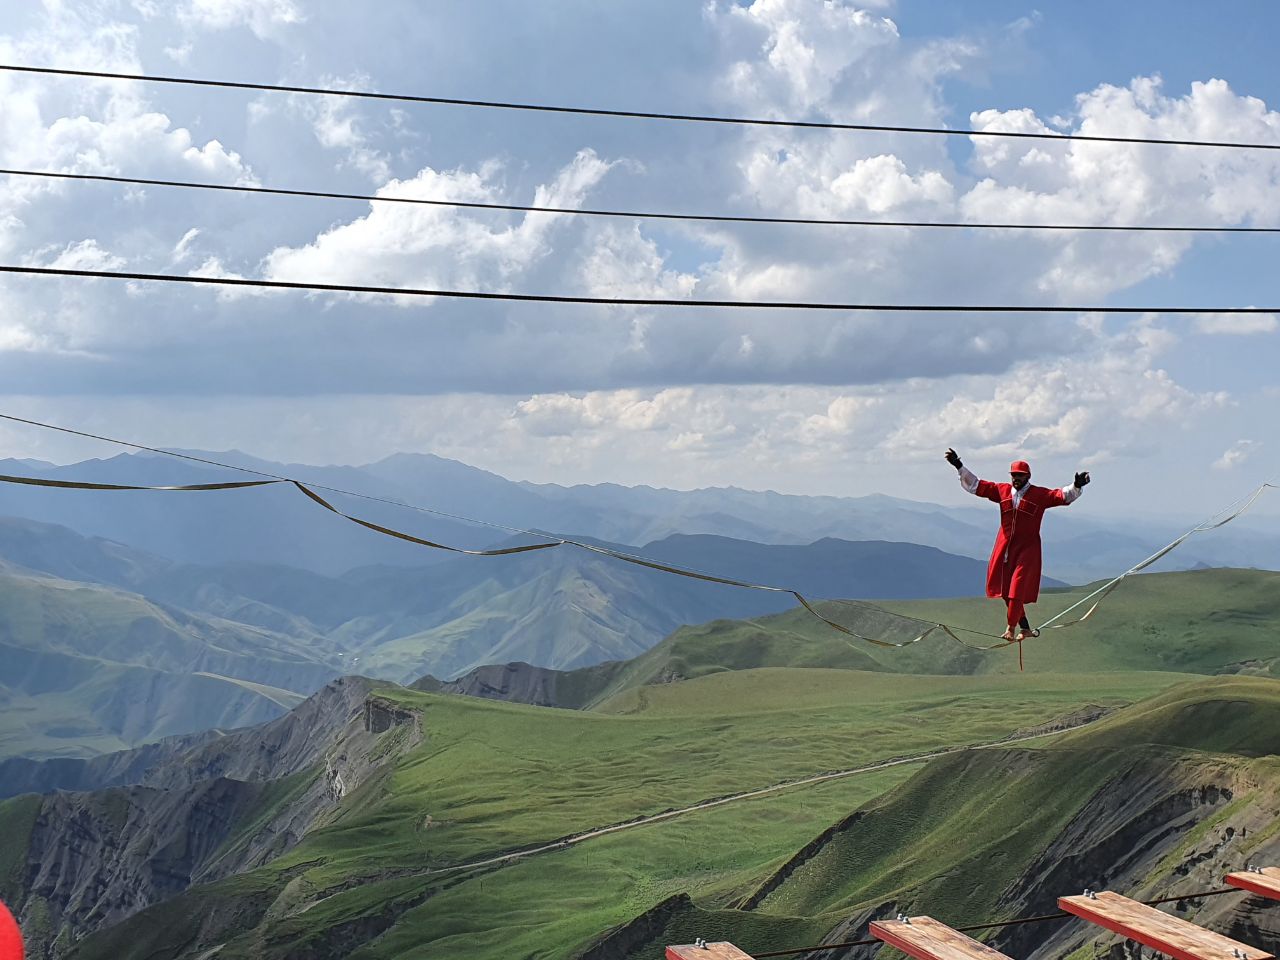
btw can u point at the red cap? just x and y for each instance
(1020, 466)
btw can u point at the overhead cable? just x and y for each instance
(619, 301)
(634, 214)
(629, 114)
(999, 924)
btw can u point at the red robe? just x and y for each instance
(1014, 568)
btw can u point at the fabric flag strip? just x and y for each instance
(84, 485)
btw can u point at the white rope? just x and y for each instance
(1213, 523)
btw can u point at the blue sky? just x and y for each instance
(853, 405)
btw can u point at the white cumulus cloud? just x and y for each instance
(1236, 454)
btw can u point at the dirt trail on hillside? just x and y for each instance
(1051, 728)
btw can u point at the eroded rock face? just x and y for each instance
(203, 809)
(381, 715)
(268, 751)
(1138, 834)
(96, 858)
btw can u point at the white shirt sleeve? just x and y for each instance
(969, 480)
(1071, 494)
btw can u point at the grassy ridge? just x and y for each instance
(490, 777)
(954, 837)
(1204, 622)
(771, 700)
(609, 881)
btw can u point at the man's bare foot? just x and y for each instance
(1008, 634)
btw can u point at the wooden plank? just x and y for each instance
(722, 950)
(1264, 882)
(926, 939)
(1159, 931)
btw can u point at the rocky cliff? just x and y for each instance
(146, 824)
(524, 683)
(1159, 800)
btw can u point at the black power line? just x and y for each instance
(630, 214)
(621, 301)
(632, 114)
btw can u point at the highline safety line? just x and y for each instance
(630, 114)
(632, 214)
(308, 489)
(494, 552)
(1022, 921)
(317, 287)
(1219, 519)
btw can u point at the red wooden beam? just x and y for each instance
(1159, 931)
(926, 939)
(1264, 882)
(721, 950)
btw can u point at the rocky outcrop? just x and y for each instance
(94, 859)
(1144, 833)
(381, 715)
(201, 809)
(275, 749)
(524, 683)
(624, 940)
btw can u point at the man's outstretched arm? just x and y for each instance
(1072, 493)
(968, 479)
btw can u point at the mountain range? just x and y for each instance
(276, 525)
(109, 646)
(134, 615)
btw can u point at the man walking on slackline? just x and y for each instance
(1013, 573)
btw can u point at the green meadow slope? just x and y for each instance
(491, 778)
(90, 669)
(1203, 622)
(408, 865)
(1164, 795)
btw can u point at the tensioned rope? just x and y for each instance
(1021, 921)
(618, 301)
(1219, 519)
(631, 214)
(630, 114)
(308, 489)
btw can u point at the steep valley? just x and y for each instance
(375, 821)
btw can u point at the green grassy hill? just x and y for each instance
(492, 777)
(1132, 800)
(1208, 622)
(90, 669)
(972, 836)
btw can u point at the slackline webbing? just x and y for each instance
(503, 551)
(1219, 519)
